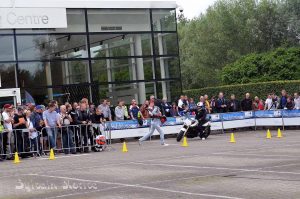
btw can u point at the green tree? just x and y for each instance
(231, 29)
(279, 64)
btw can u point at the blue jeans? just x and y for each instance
(34, 144)
(67, 137)
(52, 134)
(155, 124)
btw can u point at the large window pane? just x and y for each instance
(68, 93)
(148, 66)
(115, 92)
(113, 20)
(75, 21)
(120, 45)
(166, 44)
(100, 71)
(41, 47)
(120, 69)
(169, 89)
(167, 67)
(32, 74)
(7, 48)
(69, 72)
(7, 75)
(37, 74)
(113, 70)
(164, 20)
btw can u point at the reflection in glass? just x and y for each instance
(164, 20)
(120, 45)
(68, 93)
(167, 67)
(99, 68)
(7, 75)
(32, 74)
(7, 48)
(41, 47)
(37, 74)
(166, 44)
(168, 89)
(113, 70)
(116, 92)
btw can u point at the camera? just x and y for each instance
(180, 9)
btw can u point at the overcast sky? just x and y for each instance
(193, 8)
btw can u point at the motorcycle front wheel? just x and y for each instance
(180, 135)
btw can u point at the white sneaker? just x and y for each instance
(203, 138)
(165, 144)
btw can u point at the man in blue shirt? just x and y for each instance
(52, 120)
(283, 100)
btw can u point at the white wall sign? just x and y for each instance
(33, 18)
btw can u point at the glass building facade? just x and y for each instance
(104, 53)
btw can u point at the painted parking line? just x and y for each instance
(260, 170)
(69, 156)
(257, 155)
(138, 186)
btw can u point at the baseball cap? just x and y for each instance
(8, 106)
(38, 107)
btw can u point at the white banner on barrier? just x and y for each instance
(238, 123)
(216, 126)
(293, 121)
(269, 122)
(139, 132)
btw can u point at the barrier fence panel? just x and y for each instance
(23, 141)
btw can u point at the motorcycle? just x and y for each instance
(190, 130)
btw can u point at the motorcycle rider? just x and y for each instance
(201, 113)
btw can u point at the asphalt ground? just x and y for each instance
(253, 167)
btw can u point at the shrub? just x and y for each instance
(255, 89)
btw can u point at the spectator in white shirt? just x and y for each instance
(296, 101)
(7, 139)
(269, 102)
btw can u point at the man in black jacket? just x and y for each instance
(246, 103)
(84, 121)
(201, 113)
(234, 104)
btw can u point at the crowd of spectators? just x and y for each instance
(43, 122)
(221, 104)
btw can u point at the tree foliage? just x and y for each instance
(231, 29)
(280, 64)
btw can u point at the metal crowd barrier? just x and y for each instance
(73, 138)
(21, 141)
(67, 139)
(268, 118)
